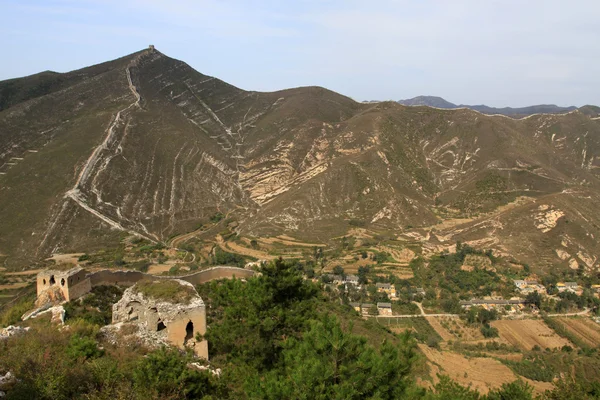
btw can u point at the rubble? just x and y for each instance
(12, 330)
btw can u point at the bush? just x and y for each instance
(165, 374)
(535, 369)
(433, 341)
(489, 331)
(82, 348)
(13, 314)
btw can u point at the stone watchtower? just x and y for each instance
(73, 283)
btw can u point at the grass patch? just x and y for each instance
(166, 290)
(534, 368)
(421, 329)
(96, 307)
(12, 314)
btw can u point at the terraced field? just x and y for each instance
(481, 373)
(528, 333)
(585, 329)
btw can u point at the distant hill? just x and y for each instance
(438, 102)
(430, 101)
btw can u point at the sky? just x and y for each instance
(499, 53)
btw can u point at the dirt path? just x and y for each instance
(93, 160)
(177, 240)
(24, 273)
(289, 241)
(245, 251)
(16, 285)
(401, 256)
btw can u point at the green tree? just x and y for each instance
(534, 298)
(338, 270)
(329, 363)
(517, 390)
(165, 374)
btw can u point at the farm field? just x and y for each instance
(528, 333)
(443, 332)
(417, 324)
(455, 329)
(587, 330)
(481, 373)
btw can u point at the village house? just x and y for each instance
(366, 308)
(529, 286)
(572, 287)
(386, 288)
(384, 308)
(351, 280)
(356, 307)
(499, 304)
(520, 284)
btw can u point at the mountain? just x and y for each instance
(438, 102)
(146, 145)
(430, 101)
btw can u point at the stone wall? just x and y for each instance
(112, 277)
(217, 273)
(77, 282)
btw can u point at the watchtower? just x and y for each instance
(73, 283)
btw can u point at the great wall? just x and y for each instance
(159, 320)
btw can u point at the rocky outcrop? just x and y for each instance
(49, 296)
(11, 330)
(547, 218)
(7, 381)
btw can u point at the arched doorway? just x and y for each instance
(189, 331)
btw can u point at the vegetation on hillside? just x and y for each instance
(274, 336)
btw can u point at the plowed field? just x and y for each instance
(528, 333)
(587, 330)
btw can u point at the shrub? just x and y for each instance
(82, 348)
(13, 314)
(165, 374)
(433, 341)
(489, 331)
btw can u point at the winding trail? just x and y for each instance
(75, 193)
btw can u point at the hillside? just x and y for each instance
(519, 112)
(146, 145)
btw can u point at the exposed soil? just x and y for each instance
(72, 258)
(158, 269)
(482, 374)
(289, 241)
(585, 329)
(528, 333)
(435, 324)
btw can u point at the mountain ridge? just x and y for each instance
(146, 145)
